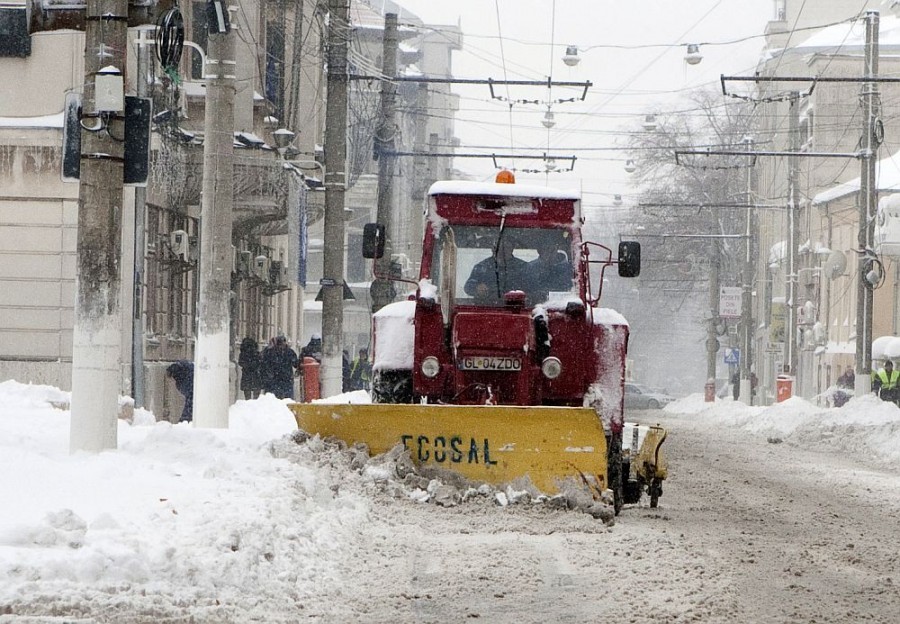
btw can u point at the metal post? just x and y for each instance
(384, 151)
(746, 388)
(867, 192)
(712, 334)
(140, 207)
(97, 331)
(790, 338)
(335, 186)
(212, 362)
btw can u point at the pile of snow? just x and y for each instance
(239, 524)
(252, 522)
(865, 427)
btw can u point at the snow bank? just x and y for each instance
(865, 427)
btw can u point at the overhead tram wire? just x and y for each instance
(642, 46)
(776, 169)
(840, 118)
(170, 41)
(646, 67)
(620, 92)
(549, 126)
(503, 64)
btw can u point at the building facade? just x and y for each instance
(807, 305)
(278, 193)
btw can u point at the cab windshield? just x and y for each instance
(490, 263)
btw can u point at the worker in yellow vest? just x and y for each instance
(886, 381)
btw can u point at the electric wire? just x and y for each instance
(170, 41)
(503, 61)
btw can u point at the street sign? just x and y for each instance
(732, 355)
(730, 301)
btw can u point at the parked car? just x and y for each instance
(642, 397)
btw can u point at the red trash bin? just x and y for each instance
(709, 395)
(784, 388)
(310, 379)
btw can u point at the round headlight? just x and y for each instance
(551, 367)
(430, 366)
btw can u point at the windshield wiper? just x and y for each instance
(496, 251)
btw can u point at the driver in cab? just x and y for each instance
(497, 274)
(549, 272)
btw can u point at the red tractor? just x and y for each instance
(502, 365)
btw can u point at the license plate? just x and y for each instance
(490, 363)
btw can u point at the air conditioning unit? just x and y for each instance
(806, 314)
(820, 334)
(260, 268)
(180, 244)
(194, 249)
(809, 277)
(278, 274)
(403, 260)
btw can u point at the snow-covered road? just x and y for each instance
(748, 530)
(785, 513)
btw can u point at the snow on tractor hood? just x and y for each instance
(462, 187)
(394, 336)
(608, 316)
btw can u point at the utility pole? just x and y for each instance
(335, 186)
(212, 362)
(867, 207)
(712, 334)
(384, 152)
(97, 332)
(746, 388)
(793, 214)
(140, 203)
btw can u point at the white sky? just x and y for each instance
(245, 525)
(627, 83)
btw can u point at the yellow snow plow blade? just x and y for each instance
(495, 444)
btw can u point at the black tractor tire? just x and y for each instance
(392, 386)
(655, 492)
(614, 472)
(632, 489)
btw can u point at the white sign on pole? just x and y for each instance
(730, 301)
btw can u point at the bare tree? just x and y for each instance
(687, 197)
(684, 208)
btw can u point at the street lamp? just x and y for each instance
(630, 167)
(548, 119)
(649, 123)
(571, 58)
(283, 139)
(693, 55)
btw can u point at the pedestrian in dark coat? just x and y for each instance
(313, 348)
(345, 371)
(248, 360)
(279, 362)
(182, 372)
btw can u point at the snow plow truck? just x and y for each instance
(502, 366)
